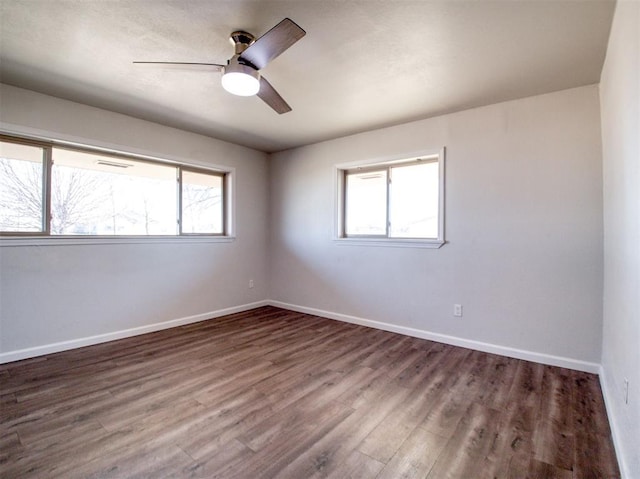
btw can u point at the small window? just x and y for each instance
(60, 190)
(400, 200)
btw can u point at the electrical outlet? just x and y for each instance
(457, 310)
(250, 283)
(626, 391)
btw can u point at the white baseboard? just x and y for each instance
(125, 333)
(453, 340)
(613, 424)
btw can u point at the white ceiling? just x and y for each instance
(362, 65)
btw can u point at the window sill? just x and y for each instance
(393, 243)
(7, 241)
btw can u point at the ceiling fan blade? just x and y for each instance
(271, 97)
(185, 65)
(273, 43)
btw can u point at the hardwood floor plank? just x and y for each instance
(553, 439)
(271, 393)
(25, 414)
(295, 420)
(207, 434)
(70, 452)
(595, 457)
(527, 384)
(270, 461)
(512, 448)
(149, 463)
(467, 382)
(301, 387)
(308, 392)
(234, 381)
(325, 455)
(389, 348)
(495, 391)
(401, 362)
(10, 446)
(222, 459)
(49, 431)
(195, 435)
(422, 366)
(542, 470)
(128, 408)
(415, 457)
(357, 466)
(361, 394)
(383, 442)
(468, 446)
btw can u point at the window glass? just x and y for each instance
(366, 203)
(202, 203)
(413, 201)
(21, 187)
(93, 194)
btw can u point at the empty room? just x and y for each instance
(320, 238)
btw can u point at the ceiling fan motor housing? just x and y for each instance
(241, 40)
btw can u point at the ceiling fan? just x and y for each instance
(241, 75)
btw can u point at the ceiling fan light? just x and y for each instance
(241, 80)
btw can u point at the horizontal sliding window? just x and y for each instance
(60, 190)
(397, 200)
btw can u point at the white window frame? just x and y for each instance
(43, 238)
(340, 236)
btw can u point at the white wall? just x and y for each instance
(620, 101)
(523, 226)
(51, 294)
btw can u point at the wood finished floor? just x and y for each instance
(273, 393)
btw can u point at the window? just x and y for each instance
(50, 189)
(400, 201)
